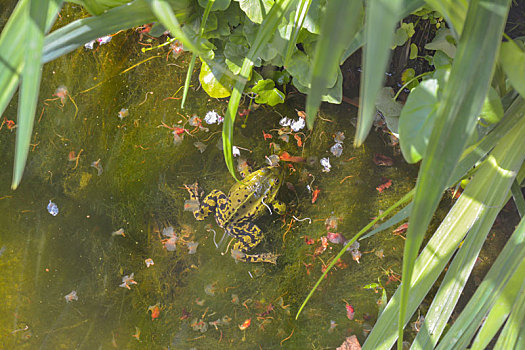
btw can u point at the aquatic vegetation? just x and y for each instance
(52, 208)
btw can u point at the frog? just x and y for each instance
(247, 200)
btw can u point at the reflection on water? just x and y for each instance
(113, 155)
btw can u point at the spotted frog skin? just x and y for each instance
(246, 201)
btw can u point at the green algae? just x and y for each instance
(141, 190)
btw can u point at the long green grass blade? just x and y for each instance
(405, 199)
(207, 10)
(518, 198)
(466, 325)
(341, 22)
(31, 75)
(509, 336)
(512, 60)
(12, 48)
(397, 218)
(454, 11)
(500, 311)
(488, 189)
(164, 13)
(456, 119)
(79, 32)
(300, 15)
(264, 34)
(381, 18)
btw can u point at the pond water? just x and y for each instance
(183, 300)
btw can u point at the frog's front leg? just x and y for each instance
(249, 236)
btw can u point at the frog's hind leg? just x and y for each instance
(249, 236)
(209, 204)
(278, 207)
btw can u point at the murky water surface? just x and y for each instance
(202, 300)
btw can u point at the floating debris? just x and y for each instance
(123, 113)
(104, 39)
(226, 320)
(349, 311)
(339, 137)
(386, 184)
(199, 301)
(97, 165)
(71, 296)
(272, 160)
(119, 232)
(215, 323)
(354, 246)
(337, 149)
(298, 124)
(155, 311)
(61, 92)
(325, 162)
(127, 281)
(235, 151)
(335, 238)
(177, 138)
(245, 324)
(315, 193)
(285, 137)
(137, 333)
(416, 326)
(379, 253)
(286, 157)
(382, 160)
(356, 255)
(332, 326)
(242, 165)
(191, 205)
(237, 255)
(176, 48)
(149, 262)
(351, 343)
(52, 208)
(210, 289)
(213, 118)
(194, 120)
(170, 244)
(401, 229)
(200, 146)
(199, 325)
(169, 232)
(192, 247)
(235, 299)
(331, 223)
(89, 45)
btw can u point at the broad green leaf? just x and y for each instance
(443, 41)
(417, 119)
(381, 17)
(402, 34)
(267, 93)
(413, 51)
(329, 49)
(256, 10)
(389, 108)
(332, 94)
(265, 33)
(456, 119)
(37, 12)
(512, 60)
(215, 82)
(454, 11)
